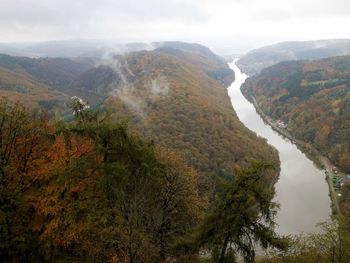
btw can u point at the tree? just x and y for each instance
(243, 215)
(329, 245)
(180, 206)
(81, 110)
(20, 134)
(108, 194)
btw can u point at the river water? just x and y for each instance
(301, 190)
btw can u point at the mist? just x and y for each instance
(135, 96)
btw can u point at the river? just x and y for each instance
(301, 190)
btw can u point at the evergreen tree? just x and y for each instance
(243, 216)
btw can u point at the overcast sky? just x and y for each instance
(240, 24)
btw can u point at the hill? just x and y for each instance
(256, 60)
(175, 95)
(71, 48)
(177, 98)
(22, 87)
(44, 82)
(312, 98)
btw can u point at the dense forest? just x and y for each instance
(89, 190)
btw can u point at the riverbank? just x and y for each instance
(311, 152)
(301, 189)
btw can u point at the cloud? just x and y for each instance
(275, 10)
(203, 21)
(46, 12)
(66, 19)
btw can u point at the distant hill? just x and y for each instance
(71, 48)
(313, 98)
(102, 49)
(256, 60)
(98, 82)
(90, 77)
(22, 87)
(44, 82)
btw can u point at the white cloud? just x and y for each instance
(213, 22)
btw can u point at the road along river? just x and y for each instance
(301, 190)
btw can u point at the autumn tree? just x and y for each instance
(20, 134)
(111, 194)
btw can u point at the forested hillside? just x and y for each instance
(89, 191)
(173, 97)
(19, 86)
(256, 60)
(41, 82)
(312, 98)
(92, 191)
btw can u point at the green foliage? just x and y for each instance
(89, 191)
(149, 196)
(330, 244)
(20, 132)
(242, 217)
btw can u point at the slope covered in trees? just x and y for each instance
(313, 100)
(19, 86)
(256, 60)
(41, 82)
(172, 97)
(88, 77)
(91, 191)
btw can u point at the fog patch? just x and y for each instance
(159, 87)
(136, 95)
(128, 95)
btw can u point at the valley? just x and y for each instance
(174, 131)
(156, 128)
